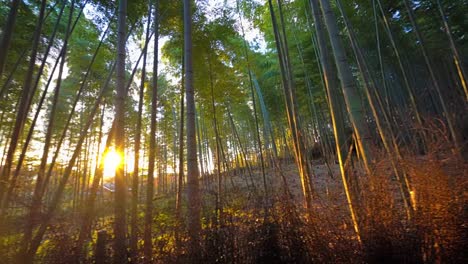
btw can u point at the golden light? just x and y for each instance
(112, 160)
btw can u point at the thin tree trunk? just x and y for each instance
(202, 153)
(408, 87)
(73, 108)
(381, 64)
(5, 85)
(291, 106)
(84, 175)
(218, 206)
(348, 85)
(89, 207)
(148, 246)
(120, 245)
(26, 93)
(335, 110)
(383, 128)
(6, 198)
(34, 244)
(317, 132)
(180, 177)
(300, 152)
(255, 113)
(134, 208)
(7, 33)
(193, 189)
(432, 75)
(333, 95)
(35, 206)
(456, 56)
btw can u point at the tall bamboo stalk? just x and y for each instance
(255, 113)
(383, 126)
(26, 94)
(120, 242)
(7, 33)
(291, 105)
(193, 189)
(432, 75)
(351, 95)
(456, 55)
(219, 193)
(42, 167)
(148, 245)
(134, 205)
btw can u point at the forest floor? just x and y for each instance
(290, 234)
(435, 231)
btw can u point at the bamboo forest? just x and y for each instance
(233, 131)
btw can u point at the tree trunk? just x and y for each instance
(243, 153)
(255, 113)
(26, 93)
(148, 246)
(120, 247)
(35, 206)
(408, 87)
(134, 207)
(348, 85)
(456, 56)
(432, 74)
(180, 176)
(100, 253)
(7, 33)
(6, 198)
(383, 126)
(219, 205)
(193, 189)
(46, 53)
(291, 106)
(333, 94)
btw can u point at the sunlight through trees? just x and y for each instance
(233, 131)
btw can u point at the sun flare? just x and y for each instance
(112, 160)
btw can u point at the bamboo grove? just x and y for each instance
(240, 131)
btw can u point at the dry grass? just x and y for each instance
(435, 232)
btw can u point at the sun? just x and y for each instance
(112, 160)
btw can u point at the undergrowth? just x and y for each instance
(431, 229)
